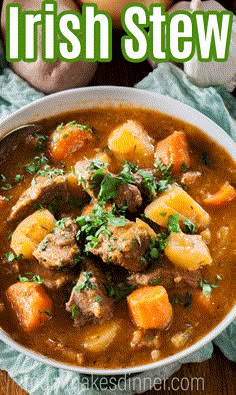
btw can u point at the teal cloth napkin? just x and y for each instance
(40, 379)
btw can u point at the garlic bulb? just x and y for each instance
(210, 73)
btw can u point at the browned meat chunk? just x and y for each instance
(66, 352)
(88, 177)
(54, 279)
(145, 339)
(59, 248)
(130, 196)
(168, 277)
(89, 300)
(125, 246)
(43, 191)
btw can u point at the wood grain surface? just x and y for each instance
(213, 377)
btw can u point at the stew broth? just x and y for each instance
(58, 338)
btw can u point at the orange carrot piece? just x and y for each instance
(149, 307)
(30, 303)
(68, 139)
(224, 195)
(174, 150)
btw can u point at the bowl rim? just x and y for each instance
(138, 98)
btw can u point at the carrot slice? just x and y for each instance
(69, 138)
(224, 195)
(174, 150)
(149, 307)
(30, 303)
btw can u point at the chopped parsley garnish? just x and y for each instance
(19, 177)
(98, 299)
(207, 287)
(50, 171)
(173, 223)
(34, 166)
(73, 311)
(109, 187)
(3, 178)
(86, 284)
(35, 278)
(42, 139)
(165, 172)
(175, 299)
(23, 279)
(156, 247)
(190, 227)
(61, 223)
(183, 167)
(118, 290)
(6, 187)
(47, 312)
(92, 225)
(156, 281)
(11, 257)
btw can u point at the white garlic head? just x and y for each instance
(212, 72)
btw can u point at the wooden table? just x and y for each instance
(216, 376)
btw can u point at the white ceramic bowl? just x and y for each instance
(75, 99)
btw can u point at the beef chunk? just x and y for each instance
(89, 300)
(145, 339)
(168, 277)
(127, 194)
(59, 248)
(130, 196)
(55, 279)
(125, 246)
(43, 191)
(88, 177)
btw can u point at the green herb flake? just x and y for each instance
(175, 299)
(73, 311)
(190, 227)
(156, 281)
(18, 177)
(86, 284)
(183, 167)
(47, 312)
(98, 299)
(23, 279)
(6, 187)
(37, 279)
(3, 178)
(10, 256)
(207, 287)
(173, 223)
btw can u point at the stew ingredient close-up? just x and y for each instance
(117, 237)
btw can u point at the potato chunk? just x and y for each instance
(31, 231)
(177, 201)
(187, 251)
(30, 303)
(104, 336)
(131, 142)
